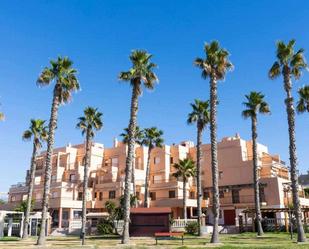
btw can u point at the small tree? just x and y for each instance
(184, 170)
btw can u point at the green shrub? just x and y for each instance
(192, 227)
(105, 226)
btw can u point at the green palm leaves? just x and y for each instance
(303, 103)
(138, 135)
(200, 113)
(141, 70)
(152, 137)
(288, 60)
(90, 122)
(255, 104)
(64, 75)
(184, 169)
(37, 130)
(216, 62)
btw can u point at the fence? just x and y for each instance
(181, 223)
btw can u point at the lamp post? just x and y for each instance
(287, 189)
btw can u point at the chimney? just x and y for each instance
(237, 135)
(115, 142)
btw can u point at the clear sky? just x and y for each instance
(99, 35)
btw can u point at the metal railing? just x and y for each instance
(181, 223)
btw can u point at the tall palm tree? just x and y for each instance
(303, 103)
(152, 138)
(185, 169)
(255, 104)
(38, 132)
(141, 73)
(200, 116)
(214, 66)
(88, 124)
(290, 64)
(138, 138)
(63, 75)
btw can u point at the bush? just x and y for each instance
(105, 226)
(192, 227)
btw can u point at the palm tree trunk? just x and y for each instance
(184, 199)
(198, 177)
(85, 186)
(256, 178)
(48, 164)
(133, 177)
(147, 179)
(214, 159)
(129, 160)
(293, 157)
(30, 190)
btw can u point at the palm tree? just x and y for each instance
(303, 103)
(290, 64)
(140, 74)
(38, 131)
(214, 66)
(200, 116)
(88, 124)
(138, 138)
(185, 169)
(152, 138)
(64, 76)
(2, 116)
(255, 104)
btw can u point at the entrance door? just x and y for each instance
(229, 217)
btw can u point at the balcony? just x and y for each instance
(241, 200)
(175, 202)
(18, 188)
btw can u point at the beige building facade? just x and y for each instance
(107, 175)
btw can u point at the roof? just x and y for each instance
(152, 210)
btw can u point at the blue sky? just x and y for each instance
(99, 35)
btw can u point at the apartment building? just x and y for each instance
(236, 191)
(107, 175)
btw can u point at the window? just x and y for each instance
(25, 197)
(112, 194)
(220, 174)
(13, 198)
(77, 214)
(171, 194)
(53, 178)
(221, 194)
(54, 194)
(95, 195)
(153, 196)
(156, 160)
(206, 195)
(37, 180)
(171, 160)
(115, 162)
(80, 196)
(262, 195)
(137, 195)
(72, 177)
(101, 196)
(235, 196)
(192, 195)
(138, 163)
(220, 214)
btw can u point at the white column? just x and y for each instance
(2, 215)
(10, 225)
